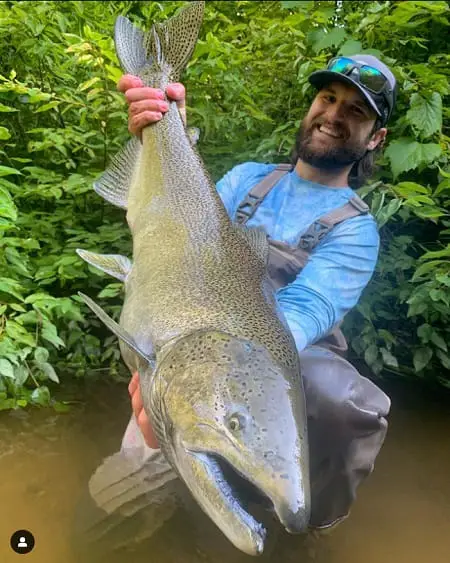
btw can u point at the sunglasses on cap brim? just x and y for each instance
(369, 77)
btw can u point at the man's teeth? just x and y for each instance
(324, 129)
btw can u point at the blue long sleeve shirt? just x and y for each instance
(340, 266)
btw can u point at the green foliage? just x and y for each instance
(61, 118)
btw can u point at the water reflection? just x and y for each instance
(401, 514)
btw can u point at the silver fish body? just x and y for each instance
(219, 371)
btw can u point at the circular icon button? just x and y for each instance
(22, 541)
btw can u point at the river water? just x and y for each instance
(402, 513)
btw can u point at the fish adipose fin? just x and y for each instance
(113, 264)
(168, 43)
(117, 329)
(113, 185)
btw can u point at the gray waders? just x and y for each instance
(346, 413)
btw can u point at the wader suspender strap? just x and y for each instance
(285, 261)
(321, 227)
(255, 196)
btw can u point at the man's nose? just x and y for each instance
(335, 113)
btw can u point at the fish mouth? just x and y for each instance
(235, 495)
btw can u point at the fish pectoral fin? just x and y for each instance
(113, 264)
(117, 329)
(257, 239)
(113, 185)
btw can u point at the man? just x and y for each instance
(320, 281)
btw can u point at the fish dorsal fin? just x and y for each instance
(167, 43)
(113, 264)
(117, 329)
(257, 239)
(113, 185)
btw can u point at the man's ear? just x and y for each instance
(377, 139)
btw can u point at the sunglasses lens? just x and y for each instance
(341, 65)
(369, 77)
(372, 78)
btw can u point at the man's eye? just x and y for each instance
(357, 110)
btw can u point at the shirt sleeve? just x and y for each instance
(332, 281)
(227, 189)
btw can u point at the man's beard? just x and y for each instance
(328, 158)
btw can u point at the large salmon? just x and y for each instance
(219, 370)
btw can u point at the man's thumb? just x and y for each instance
(177, 92)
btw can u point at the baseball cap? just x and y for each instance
(372, 78)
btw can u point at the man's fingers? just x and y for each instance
(147, 430)
(128, 81)
(133, 385)
(138, 122)
(176, 91)
(136, 402)
(144, 93)
(148, 105)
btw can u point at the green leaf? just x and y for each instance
(425, 268)
(422, 356)
(41, 396)
(350, 47)
(88, 83)
(49, 371)
(41, 355)
(406, 189)
(405, 154)
(8, 171)
(371, 354)
(50, 334)
(323, 40)
(20, 375)
(4, 134)
(48, 106)
(443, 186)
(6, 368)
(388, 358)
(425, 115)
(5, 109)
(439, 341)
(388, 211)
(444, 359)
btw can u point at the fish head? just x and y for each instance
(236, 419)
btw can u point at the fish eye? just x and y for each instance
(234, 423)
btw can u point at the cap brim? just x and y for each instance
(322, 77)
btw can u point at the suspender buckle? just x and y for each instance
(312, 237)
(247, 207)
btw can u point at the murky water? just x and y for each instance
(402, 514)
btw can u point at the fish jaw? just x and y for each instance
(202, 471)
(204, 478)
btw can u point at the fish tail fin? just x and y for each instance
(168, 43)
